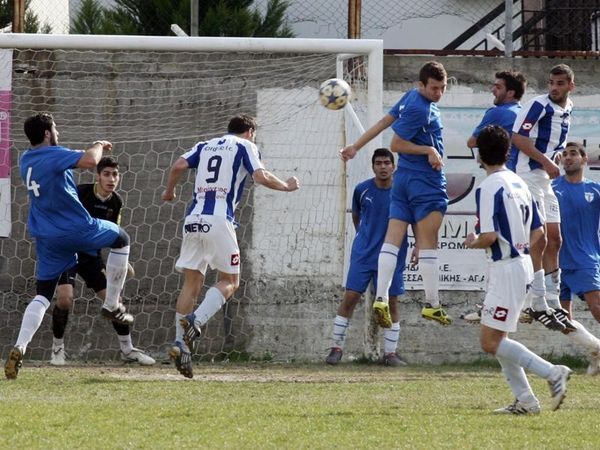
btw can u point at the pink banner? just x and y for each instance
(5, 134)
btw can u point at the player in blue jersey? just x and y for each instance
(579, 200)
(222, 165)
(103, 202)
(507, 225)
(419, 194)
(541, 130)
(508, 88)
(370, 209)
(61, 227)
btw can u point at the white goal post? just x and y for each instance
(154, 97)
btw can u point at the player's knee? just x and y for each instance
(122, 240)
(488, 345)
(64, 301)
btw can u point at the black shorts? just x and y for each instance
(92, 270)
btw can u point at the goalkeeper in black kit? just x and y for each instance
(102, 202)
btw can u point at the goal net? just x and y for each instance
(154, 98)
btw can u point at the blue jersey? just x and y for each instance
(579, 215)
(505, 206)
(503, 115)
(546, 124)
(54, 207)
(418, 121)
(372, 204)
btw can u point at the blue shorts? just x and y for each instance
(55, 255)
(578, 282)
(362, 272)
(416, 194)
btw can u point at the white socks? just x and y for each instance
(340, 326)
(430, 271)
(517, 353)
(391, 337)
(179, 331)
(212, 303)
(386, 265)
(552, 284)
(125, 343)
(32, 319)
(116, 271)
(517, 380)
(57, 343)
(538, 292)
(584, 338)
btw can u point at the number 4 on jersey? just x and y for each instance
(31, 184)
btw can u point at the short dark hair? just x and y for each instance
(493, 143)
(432, 69)
(107, 161)
(563, 69)
(240, 124)
(35, 127)
(514, 81)
(578, 145)
(382, 153)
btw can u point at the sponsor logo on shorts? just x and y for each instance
(235, 259)
(527, 126)
(197, 227)
(500, 313)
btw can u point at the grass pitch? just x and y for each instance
(269, 405)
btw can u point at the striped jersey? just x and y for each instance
(505, 206)
(546, 124)
(222, 165)
(579, 220)
(418, 120)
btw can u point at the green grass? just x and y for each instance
(270, 405)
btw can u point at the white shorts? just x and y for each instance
(507, 286)
(541, 190)
(209, 241)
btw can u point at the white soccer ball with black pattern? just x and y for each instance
(334, 93)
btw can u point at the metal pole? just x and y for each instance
(508, 29)
(194, 12)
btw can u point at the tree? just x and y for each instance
(91, 19)
(154, 18)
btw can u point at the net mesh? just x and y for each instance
(153, 106)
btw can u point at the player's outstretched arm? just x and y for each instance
(267, 179)
(92, 155)
(350, 151)
(174, 176)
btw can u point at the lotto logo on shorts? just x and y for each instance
(500, 313)
(235, 259)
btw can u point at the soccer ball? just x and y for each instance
(334, 93)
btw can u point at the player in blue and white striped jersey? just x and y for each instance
(508, 224)
(222, 165)
(579, 200)
(541, 130)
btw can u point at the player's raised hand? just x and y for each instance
(292, 184)
(348, 152)
(106, 146)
